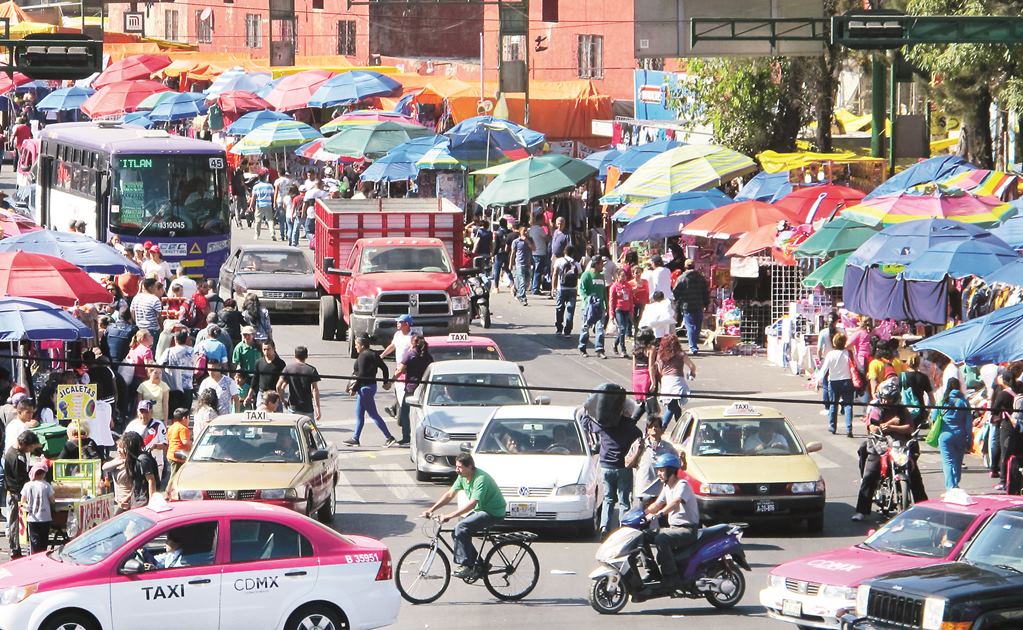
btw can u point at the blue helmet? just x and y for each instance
(668, 460)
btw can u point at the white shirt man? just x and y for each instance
(658, 279)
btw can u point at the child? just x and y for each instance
(37, 501)
(641, 370)
(622, 306)
(179, 439)
(242, 379)
(76, 434)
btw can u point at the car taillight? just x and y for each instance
(385, 572)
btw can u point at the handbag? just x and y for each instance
(857, 377)
(935, 432)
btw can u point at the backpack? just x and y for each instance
(909, 397)
(570, 277)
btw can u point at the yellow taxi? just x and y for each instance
(278, 458)
(747, 463)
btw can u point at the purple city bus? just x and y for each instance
(140, 184)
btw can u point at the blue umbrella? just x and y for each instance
(993, 338)
(351, 87)
(1011, 230)
(238, 79)
(34, 86)
(683, 202)
(137, 119)
(656, 227)
(636, 156)
(932, 170)
(902, 243)
(601, 160)
(766, 187)
(487, 139)
(250, 121)
(179, 107)
(959, 259)
(64, 99)
(78, 249)
(37, 320)
(400, 162)
(1011, 273)
(404, 104)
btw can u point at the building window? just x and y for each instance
(591, 56)
(346, 37)
(318, 4)
(253, 31)
(170, 25)
(203, 28)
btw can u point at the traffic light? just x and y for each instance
(55, 56)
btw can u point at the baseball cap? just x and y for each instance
(148, 245)
(146, 405)
(155, 249)
(139, 247)
(40, 466)
(248, 330)
(17, 398)
(404, 319)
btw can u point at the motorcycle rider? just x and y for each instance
(888, 416)
(677, 502)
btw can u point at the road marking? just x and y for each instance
(346, 492)
(401, 483)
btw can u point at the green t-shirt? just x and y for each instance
(484, 490)
(245, 357)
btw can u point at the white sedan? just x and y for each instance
(540, 457)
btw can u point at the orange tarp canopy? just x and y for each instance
(13, 13)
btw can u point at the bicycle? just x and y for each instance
(509, 569)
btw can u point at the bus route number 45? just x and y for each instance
(216, 162)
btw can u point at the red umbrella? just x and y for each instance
(234, 103)
(812, 203)
(49, 278)
(120, 98)
(13, 224)
(294, 91)
(8, 83)
(737, 218)
(131, 68)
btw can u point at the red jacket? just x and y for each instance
(621, 297)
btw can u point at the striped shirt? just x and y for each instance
(264, 194)
(145, 308)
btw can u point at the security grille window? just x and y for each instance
(203, 28)
(253, 31)
(591, 56)
(346, 37)
(170, 25)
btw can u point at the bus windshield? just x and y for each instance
(179, 195)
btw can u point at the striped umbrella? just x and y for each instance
(982, 182)
(685, 168)
(365, 117)
(151, 101)
(274, 136)
(932, 202)
(313, 150)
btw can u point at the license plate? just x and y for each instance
(762, 507)
(790, 608)
(521, 510)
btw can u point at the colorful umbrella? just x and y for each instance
(931, 170)
(13, 224)
(936, 202)
(237, 79)
(835, 237)
(234, 103)
(766, 187)
(294, 91)
(24, 274)
(439, 158)
(155, 99)
(118, 98)
(679, 203)
(689, 167)
(137, 119)
(351, 87)
(819, 202)
(533, 178)
(78, 249)
(635, 156)
(180, 106)
(365, 117)
(993, 338)
(400, 162)
(275, 136)
(601, 160)
(313, 150)
(8, 82)
(490, 140)
(830, 274)
(252, 120)
(735, 219)
(372, 141)
(959, 259)
(982, 182)
(27, 319)
(264, 91)
(64, 99)
(131, 68)
(902, 243)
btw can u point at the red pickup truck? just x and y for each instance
(376, 259)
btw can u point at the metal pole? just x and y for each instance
(481, 66)
(877, 106)
(893, 105)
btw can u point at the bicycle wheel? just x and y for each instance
(423, 574)
(512, 571)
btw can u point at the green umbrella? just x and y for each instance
(151, 101)
(838, 236)
(831, 274)
(275, 136)
(534, 177)
(372, 141)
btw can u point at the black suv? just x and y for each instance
(981, 591)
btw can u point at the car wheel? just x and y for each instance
(592, 526)
(70, 621)
(329, 509)
(316, 616)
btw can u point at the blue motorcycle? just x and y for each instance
(709, 568)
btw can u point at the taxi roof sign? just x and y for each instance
(256, 416)
(458, 337)
(741, 409)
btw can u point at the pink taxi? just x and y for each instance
(815, 591)
(206, 565)
(463, 346)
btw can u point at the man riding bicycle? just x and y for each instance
(485, 503)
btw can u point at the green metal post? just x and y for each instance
(877, 106)
(893, 107)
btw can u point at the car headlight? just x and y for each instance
(434, 434)
(364, 304)
(188, 495)
(934, 612)
(717, 488)
(776, 581)
(460, 303)
(278, 494)
(839, 592)
(862, 595)
(572, 490)
(807, 487)
(15, 594)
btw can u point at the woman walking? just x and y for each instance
(956, 427)
(668, 375)
(364, 387)
(835, 373)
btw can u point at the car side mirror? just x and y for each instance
(813, 447)
(522, 369)
(542, 400)
(318, 455)
(465, 447)
(132, 566)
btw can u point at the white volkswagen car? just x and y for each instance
(542, 460)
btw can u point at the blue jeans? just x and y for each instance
(310, 228)
(521, 271)
(617, 491)
(672, 411)
(623, 319)
(953, 448)
(693, 321)
(500, 265)
(826, 395)
(465, 552)
(282, 223)
(842, 393)
(564, 310)
(294, 231)
(366, 403)
(539, 271)
(584, 336)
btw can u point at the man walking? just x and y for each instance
(692, 295)
(146, 308)
(615, 443)
(565, 284)
(246, 354)
(593, 293)
(559, 239)
(179, 364)
(281, 198)
(15, 463)
(265, 376)
(399, 346)
(501, 238)
(301, 380)
(262, 204)
(658, 278)
(520, 253)
(538, 236)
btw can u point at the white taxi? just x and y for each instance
(204, 565)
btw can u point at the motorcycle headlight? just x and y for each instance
(363, 304)
(188, 495)
(717, 488)
(278, 494)
(72, 524)
(807, 487)
(460, 303)
(862, 595)
(934, 612)
(572, 490)
(16, 594)
(899, 457)
(434, 434)
(776, 581)
(839, 592)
